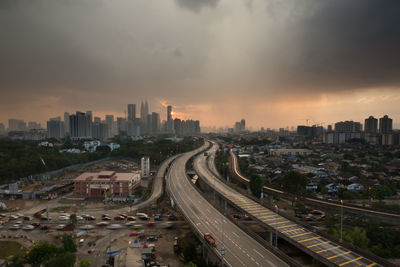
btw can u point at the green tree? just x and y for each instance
(68, 243)
(64, 259)
(256, 184)
(191, 264)
(294, 182)
(359, 237)
(16, 261)
(41, 252)
(84, 263)
(73, 219)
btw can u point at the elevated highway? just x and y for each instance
(241, 249)
(381, 215)
(326, 251)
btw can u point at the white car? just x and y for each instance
(130, 223)
(87, 227)
(60, 226)
(15, 227)
(114, 226)
(63, 218)
(79, 218)
(28, 227)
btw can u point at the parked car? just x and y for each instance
(131, 218)
(45, 227)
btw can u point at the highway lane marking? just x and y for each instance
(305, 240)
(236, 234)
(290, 225)
(279, 222)
(288, 231)
(178, 193)
(323, 250)
(372, 264)
(306, 233)
(266, 216)
(338, 255)
(258, 252)
(317, 244)
(275, 219)
(347, 262)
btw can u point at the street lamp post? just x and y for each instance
(276, 231)
(341, 221)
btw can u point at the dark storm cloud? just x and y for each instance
(196, 5)
(341, 44)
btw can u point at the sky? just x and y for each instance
(275, 63)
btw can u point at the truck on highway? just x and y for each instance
(210, 240)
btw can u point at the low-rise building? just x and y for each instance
(289, 152)
(116, 184)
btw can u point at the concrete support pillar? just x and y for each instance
(271, 238)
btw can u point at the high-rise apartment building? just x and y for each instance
(110, 125)
(99, 131)
(80, 125)
(371, 125)
(16, 125)
(170, 121)
(55, 128)
(131, 112)
(348, 126)
(66, 123)
(385, 125)
(145, 166)
(155, 122)
(121, 125)
(32, 125)
(2, 129)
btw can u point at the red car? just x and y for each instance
(119, 218)
(150, 224)
(45, 227)
(131, 218)
(134, 233)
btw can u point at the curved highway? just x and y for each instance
(394, 216)
(241, 249)
(317, 246)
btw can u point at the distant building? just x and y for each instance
(371, 125)
(55, 129)
(99, 131)
(131, 112)
(309, 131)
(348, 126)
(16, 125)
(32, 125)
(145, 166)
(89, 185)
(170, 121)
(80, 125)
(66, 123)
(155, 122)
(289, 152)
(2, 129)
(385, 125)
(110, 125)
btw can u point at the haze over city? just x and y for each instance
(275, 63)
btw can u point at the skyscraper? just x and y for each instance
(131, 112)
(385, 125)
(66, 123)
(16, 125)
(155, 122)
(55, 128)
(371, 125)
(110, 125)
(79, 125)
(170, 121)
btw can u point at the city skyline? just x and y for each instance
(275, 63)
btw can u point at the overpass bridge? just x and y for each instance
(317, 246)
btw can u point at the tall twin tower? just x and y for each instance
(144, 111)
